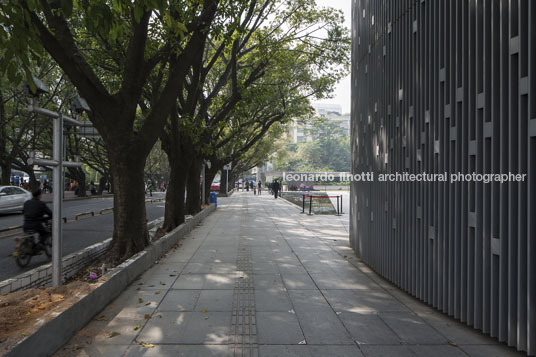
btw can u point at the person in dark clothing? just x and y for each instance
(35, 213)
(259, 187)
(275, 188)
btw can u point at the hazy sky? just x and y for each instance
(342, 91)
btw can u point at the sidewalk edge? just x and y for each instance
(54, 334)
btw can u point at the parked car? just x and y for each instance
(215, 186)
(12, 198)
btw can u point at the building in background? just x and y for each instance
(449, 86)
(333, 112)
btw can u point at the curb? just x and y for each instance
(54, 334)
(84, 198)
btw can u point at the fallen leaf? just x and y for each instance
(147, 304)
(172, 274)
(145, 344)
(101, 318)
(158, 292)
(140, 300)
(204, 310)
(137, 327)
(147, 316)
(162, 283)
(113, 334)
(140, 284)
(453, 344)
(77, 347)
(24, 334)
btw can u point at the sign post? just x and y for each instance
(57, 163)
(227, 168)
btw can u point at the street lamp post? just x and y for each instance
(57, 163)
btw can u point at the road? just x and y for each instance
(76, 235)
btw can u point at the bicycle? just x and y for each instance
(27, 247)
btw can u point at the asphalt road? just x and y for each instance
(76, 235)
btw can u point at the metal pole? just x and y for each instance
(227, 182)
(303, 204)
(338, 212)
(57, 201)
(310, 203)
(203, 186)
(341, 204)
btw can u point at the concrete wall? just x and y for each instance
(448, 86)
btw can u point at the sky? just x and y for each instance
(341, 94)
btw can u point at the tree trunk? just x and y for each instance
(6, 174)
(102, 183)
(179, 154)
(193, 186)
(175, 209)
(223, 182)
(79, 175)
(130, 223)
(34, 184)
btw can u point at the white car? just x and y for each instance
(12, 198)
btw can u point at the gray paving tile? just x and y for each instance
(188, 328)
(179, 300)
(220, 281)
(323, 327)
(333, 281)
(335, 351)
(215, 300)
(437, 350)
(490, 351)
(300, 281)
(92, 350)
(283, 351)
(308, 300)
(386, 351)
(190, 281)
(411, 329)
(205, 281)
(455, 331)
(368, 329)
(278, 328)
(272, 300)
(179, 350)
(157, 281)
(268, 281)
(362, 300)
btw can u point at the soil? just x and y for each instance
(23, 312)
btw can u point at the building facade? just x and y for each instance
(332, 112)
(447, 87)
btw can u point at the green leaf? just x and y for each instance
(67, 7)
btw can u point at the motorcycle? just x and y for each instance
(27, 247)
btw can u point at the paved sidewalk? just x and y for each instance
(258, 278)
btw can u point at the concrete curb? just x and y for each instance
(54, 334)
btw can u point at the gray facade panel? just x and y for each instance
(447, 86)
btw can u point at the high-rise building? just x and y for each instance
(444, 86)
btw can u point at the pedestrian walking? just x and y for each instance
(247, 186)
(259, 187)
(254, 187)
(275, 188)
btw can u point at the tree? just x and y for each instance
(106, 51)
(329, 150)
(22, 132)
(288, 50)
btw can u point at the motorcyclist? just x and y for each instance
(36, 212)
